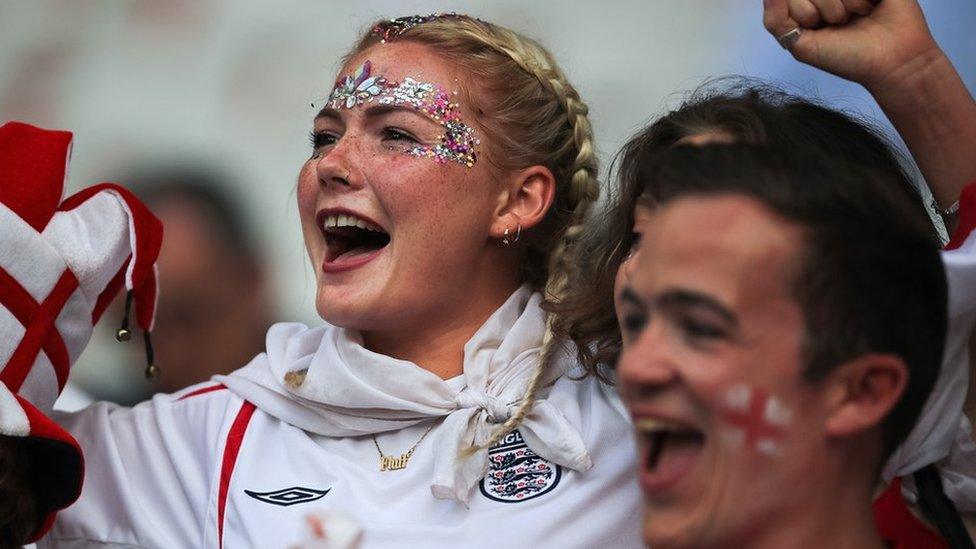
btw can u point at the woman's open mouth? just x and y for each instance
(350, 241)
(669, 451)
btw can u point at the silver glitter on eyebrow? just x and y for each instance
(459, 140)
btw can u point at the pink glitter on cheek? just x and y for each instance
(458, 142)
(756, 419)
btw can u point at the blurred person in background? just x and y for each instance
(217, 305)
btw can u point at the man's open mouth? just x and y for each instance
(671, 449)
(348, 236)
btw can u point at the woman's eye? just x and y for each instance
(396, 134)
(320, 140)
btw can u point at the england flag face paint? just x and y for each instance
(756, 421)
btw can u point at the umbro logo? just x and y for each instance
(288, 496)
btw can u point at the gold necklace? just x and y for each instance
(390, 463)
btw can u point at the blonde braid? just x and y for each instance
(584, 185)
(584, 190)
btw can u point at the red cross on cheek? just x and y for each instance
(760, 418)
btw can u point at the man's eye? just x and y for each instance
(702, 331)
(633, 244)
(634, 323)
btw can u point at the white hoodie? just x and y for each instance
(244, 461)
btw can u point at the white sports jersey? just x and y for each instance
(204, 468)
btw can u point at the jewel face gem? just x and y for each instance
(398, 25)
(353, 90)
(459, 140)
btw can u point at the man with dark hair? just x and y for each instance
(786, 323)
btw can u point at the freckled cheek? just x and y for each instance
(307, 183)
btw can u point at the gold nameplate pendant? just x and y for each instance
(390, 463)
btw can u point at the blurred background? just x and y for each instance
(217, 95)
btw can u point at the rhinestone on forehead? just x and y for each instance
(398, 25)
(355, 89)
(458, 142)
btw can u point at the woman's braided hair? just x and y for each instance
(531, 115)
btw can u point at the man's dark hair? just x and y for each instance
(870, 277)
(748, 111)
(743, 110)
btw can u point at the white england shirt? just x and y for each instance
(204, 468)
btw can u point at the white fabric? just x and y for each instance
(93, 239)
(959, 469)
(941, 428)
(153, 473)
(13, 419)
(72, 399)
(12, 330)
(74, 324)
(40, 387)
(27, 256)
(351, 391)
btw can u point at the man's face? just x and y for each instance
(728, 431)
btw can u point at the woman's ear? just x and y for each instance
(528, 196)
(862, 392)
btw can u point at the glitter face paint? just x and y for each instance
(459, 140)
(757, 419)
(398, 25)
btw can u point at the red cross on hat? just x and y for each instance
(61, 263)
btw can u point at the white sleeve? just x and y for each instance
(942, 429)
(149, 472)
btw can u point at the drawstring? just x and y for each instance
(123, 334)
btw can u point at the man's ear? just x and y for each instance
(528, 195)
(862, 392)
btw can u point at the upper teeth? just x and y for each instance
(348, 221)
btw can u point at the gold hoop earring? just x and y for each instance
(507, 239)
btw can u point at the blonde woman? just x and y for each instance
(449, 165)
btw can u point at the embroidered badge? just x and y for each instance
(288, 496)
(516, 473)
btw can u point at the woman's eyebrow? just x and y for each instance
(373, 110)
(329, 113)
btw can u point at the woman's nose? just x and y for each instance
(340, 166)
